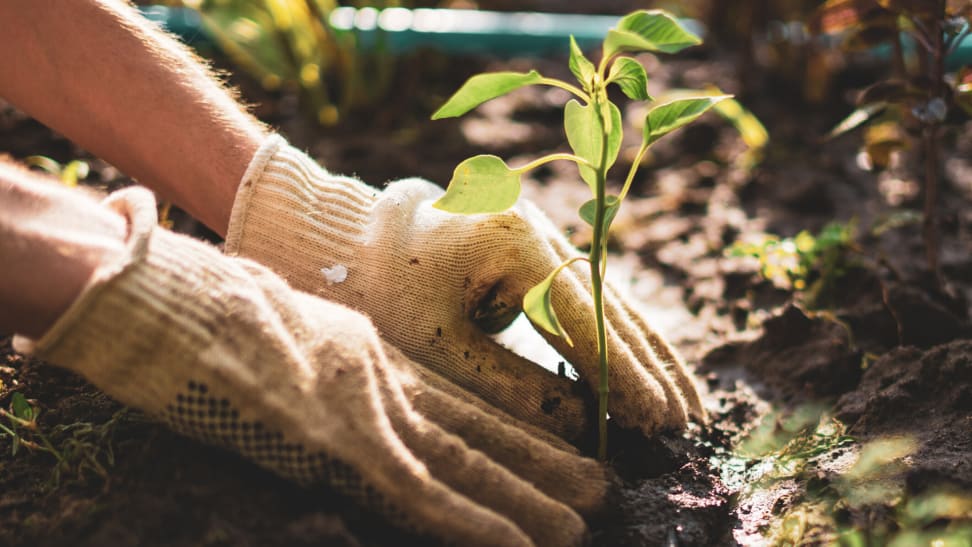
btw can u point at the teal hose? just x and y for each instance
(465, 31)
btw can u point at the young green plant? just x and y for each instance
(592, 122)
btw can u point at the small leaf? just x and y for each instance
(588, 211)
(21, 408)
(484, 87)
(856, 118)
(539, 308)
(665, 118)
(585, 136)
(648, 30)
(481, 184)
(631, 78)
(582, 69)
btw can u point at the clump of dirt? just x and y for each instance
(925, 395)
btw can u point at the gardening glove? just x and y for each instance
(223, 350)
(431, 280)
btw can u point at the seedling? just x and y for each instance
(486, 184)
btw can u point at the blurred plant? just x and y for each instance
(289, 44)
(807, 263)
(916, 99)
(69, 173)
(869, 504)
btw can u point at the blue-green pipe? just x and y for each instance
(464, 31)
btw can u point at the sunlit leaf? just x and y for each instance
(482, 88)
(648, 30)
(481, 184)
(750, 128)
(44, 163)
(73, 172)
(856, 118)
(631, 78)
(963, 89)
(538, 306)
(588, 211)
(581, 68)
(881, 140)
(586, 137)
(667, 117)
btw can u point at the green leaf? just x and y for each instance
(631, 78)
(585, 135)
(21, 408)
(484, 87)
(582, 69)
(73, 172)
(481, 184)
(648, 30)
(667, 117)
(588, 211)
(538, 306)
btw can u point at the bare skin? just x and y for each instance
(115, 84)
(118, 86)
(51, 239)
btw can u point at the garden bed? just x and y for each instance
(851, 418)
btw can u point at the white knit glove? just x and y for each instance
(223, 350)
(423, 275)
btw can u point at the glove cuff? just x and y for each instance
(289, 213)
(139, 316)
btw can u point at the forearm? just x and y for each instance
(51, 240)
(97, 72)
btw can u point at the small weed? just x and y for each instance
(810, 264)
(78, 448)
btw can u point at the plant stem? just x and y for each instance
(567, 87)
(549, 158)
(631, 172)
(930, 229)
(596, 256)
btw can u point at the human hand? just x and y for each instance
(223, 350)
(428, 279)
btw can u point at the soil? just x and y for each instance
(804, 396)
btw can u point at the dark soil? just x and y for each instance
(883, 351)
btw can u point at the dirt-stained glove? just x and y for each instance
(427, 278)
(223, 350)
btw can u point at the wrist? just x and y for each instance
(52, 240)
